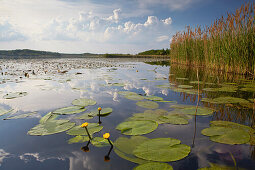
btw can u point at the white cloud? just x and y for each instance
(8, 32)
(162, 38)
(3, 155)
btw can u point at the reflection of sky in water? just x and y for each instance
(59, 90)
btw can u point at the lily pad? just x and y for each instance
(83, 102)
(104, 112)
(14, 95)
(21, 116)
(162, 150)
(51, 127)
(78, 139)
(248, 89)
(154, 166)
(138, 127)
(48, 117)
(181, 78)
(124, 147)
(228, 100)
(175, 119)
(154, 98)
(220, 167)
(85, 116)
(4, 111)
(69, 110)
(163, 86)
(200, 110)
(126, 93)
(100, 142)
(228, 132)
(147, 104)
(78, 130)
(185, 86)
(134, 97)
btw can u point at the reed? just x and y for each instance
(227, 44)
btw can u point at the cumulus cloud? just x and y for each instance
(3, 155)
(9, 33)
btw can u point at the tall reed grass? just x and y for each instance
(228, 44)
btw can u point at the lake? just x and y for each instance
(156, 112)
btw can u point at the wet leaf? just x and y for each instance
(85, 116)
(69, 110)
(147, 104)
(126, 93)
(200, 110)
(14, 95)
(51, 127)
(138, 127)
(78, 139)
(154, 166)
(48, 117)
(181, 78)
(134, 97)
(248, 89)
(100, 142)
(220, 167)
(124, 147)
(104, 112)
(154, 98)
(185, 86)
(83, 102)
(78, 130)
(162, 150)
(21, 116)
(175, 119)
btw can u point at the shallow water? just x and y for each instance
(50, 88)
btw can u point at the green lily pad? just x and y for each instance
(149, 115)
(104, 112)
(220, 167)
(14, 95)
(211, 89)
(147, 104)
(83, 102)
(228, 132)
(228, 100)
(100, 142)
(85, 116)
(175, 119)
(138, 127)
(180, 106)
(200, 110)
(154, 98)
(51, 127)
(78, 139)
(48, 117)
(163, 86)
(117, 84)
(134, 97)
(162, 150)
(185, 86)
(126, 93)
(252, 100)
(154, 166)
(124, 147)
(248, 89)
(78, 130)
(69, 110)
(181, 78)
(20, 116)
(4, 111)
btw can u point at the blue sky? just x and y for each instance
(102, 26)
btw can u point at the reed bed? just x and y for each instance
(228, 44)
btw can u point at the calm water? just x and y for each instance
(49, 89)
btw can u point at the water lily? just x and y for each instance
(106, 136)
(99, 109)
(85, 125)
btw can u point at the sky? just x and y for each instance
(103, 26)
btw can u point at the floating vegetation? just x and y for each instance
(51, 127)
(134, 97)
(162, 150)
(4, 111)
(147, 104)
(99, 142)
(14, 95)
(78, 130)
(153, 115)
(154, 98)
(225, 100)
(103, 112)
(220, 167)
(154, 165)
(248, 89)
(124, 148)
(163, 86)
(48, 117)
(137, 127)
(117, 84)
(78, 139)
(181, 78)
(21, 116)
(185, 86)
(225, 88)
(198, 111)
(69, 110)
(83, 102)
(228, 132)
(175, 119)
(85, 116)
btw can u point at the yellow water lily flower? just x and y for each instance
(106, 135)
(85, 124)
(99, 109)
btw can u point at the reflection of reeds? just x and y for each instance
(228, 44)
